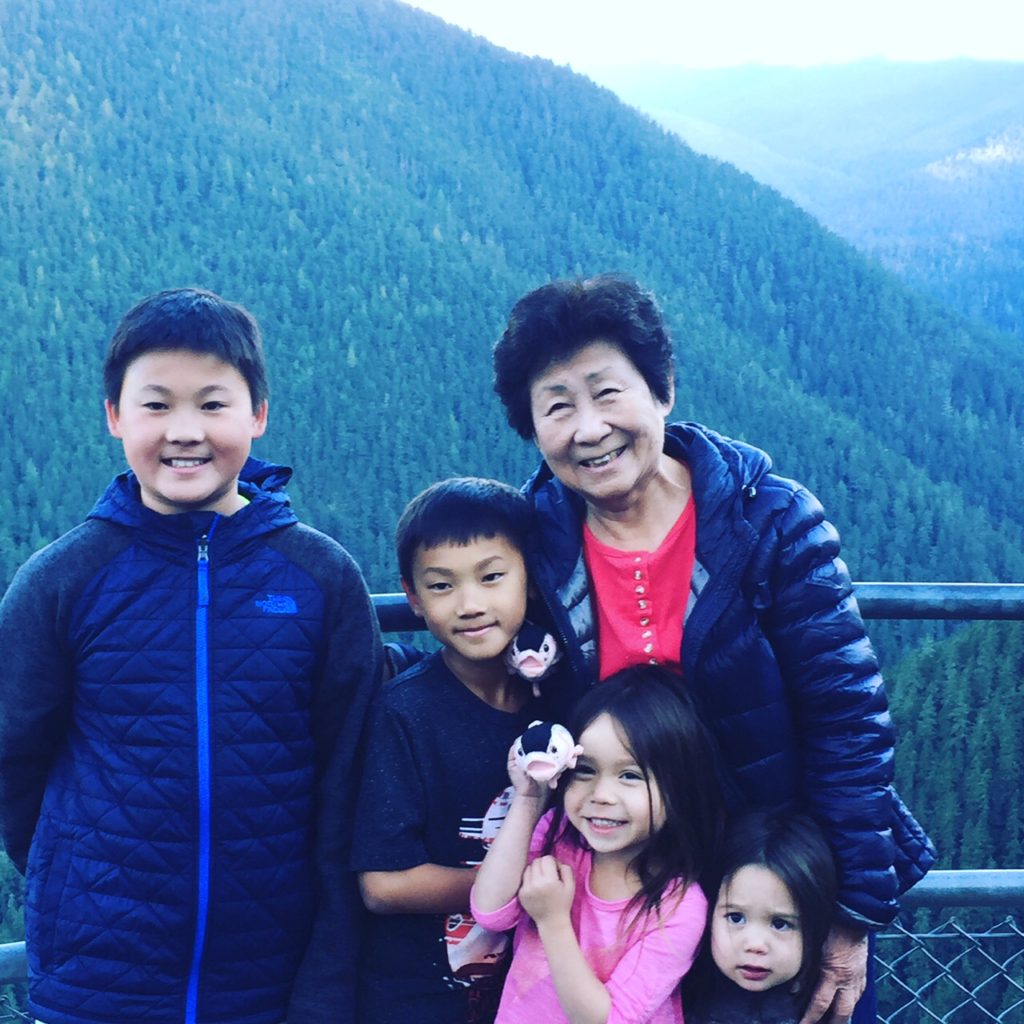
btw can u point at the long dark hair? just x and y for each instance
(659, 724)
(794, 849)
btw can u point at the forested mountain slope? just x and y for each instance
(379, 188)
(919, 164)
(963, 698)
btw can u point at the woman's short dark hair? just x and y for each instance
(795, 850)
(457, 511)
(193, 319)
(550, 324)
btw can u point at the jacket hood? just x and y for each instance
(261, 482)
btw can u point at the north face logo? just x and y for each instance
(278, 604)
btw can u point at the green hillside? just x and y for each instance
(378, 188)
(963, 697)
(919, 164)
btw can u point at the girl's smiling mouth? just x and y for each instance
(605, 824)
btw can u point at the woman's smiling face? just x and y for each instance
(598, 425)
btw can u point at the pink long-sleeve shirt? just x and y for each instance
(641, 966)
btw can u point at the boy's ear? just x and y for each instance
(414, 602)
(113, 418)
(259, 419)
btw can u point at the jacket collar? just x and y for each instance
(723, 472)
(261, 482)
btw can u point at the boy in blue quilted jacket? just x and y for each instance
(186, 678)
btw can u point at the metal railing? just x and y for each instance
(948, 971)
(996, 601)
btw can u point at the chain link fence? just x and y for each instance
(951, 973)
(13, 997)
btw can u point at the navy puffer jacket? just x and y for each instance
(775, 651)
(184, 697)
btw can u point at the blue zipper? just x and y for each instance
(202, 681)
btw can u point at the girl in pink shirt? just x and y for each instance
(602, 889)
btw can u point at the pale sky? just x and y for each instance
(594, 34)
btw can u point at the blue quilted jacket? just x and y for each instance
(775, 651)
(185, 695)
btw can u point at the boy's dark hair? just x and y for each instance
(660, 724)
(457, 511)
(552, 323)
(193, 319)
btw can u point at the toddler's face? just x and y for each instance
(756, 940)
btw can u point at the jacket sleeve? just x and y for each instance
(325, 986)
(839, 706)
(35, 697)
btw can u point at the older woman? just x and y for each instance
(675, 545)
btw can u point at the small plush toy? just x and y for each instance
(545, 750)
(533, 653)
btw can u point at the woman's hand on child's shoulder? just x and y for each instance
(547, 889)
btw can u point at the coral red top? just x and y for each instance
(641, 597)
